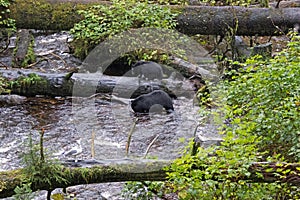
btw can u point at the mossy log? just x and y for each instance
(92, 171)
(31, 83)
(206, 20)
(88, 172)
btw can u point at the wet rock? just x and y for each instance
(241, 49)
(100, 191)
(12, 99)
(206, 141)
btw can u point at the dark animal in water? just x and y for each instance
(147, 70)
(152, 102)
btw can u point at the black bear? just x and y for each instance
(152, 102)
(147, 70)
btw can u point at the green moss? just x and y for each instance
(25, 82)
(67, 13)
(4, 85)
(25, 11)
(9, 179)
(44, 16)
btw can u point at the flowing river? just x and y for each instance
(103, 122)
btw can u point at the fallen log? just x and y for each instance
(31, 83)
(205, 69)
(28, 82)
(247, 21)
(88, 172)
(206, 20)
(93, 171)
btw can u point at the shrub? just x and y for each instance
(266, 95)
(104, 21)
(6, 22)
(261, 103)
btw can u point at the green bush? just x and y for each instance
(266, 95)
(143, 190)
(261, 104)
(8, 25)
(6, 22)
(105, 21)
(39, 169)
(220, 172)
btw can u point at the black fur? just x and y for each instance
(148, 70)
(154, 101)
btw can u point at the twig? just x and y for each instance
(150, 145)
(7, 44)
(129, 136)
(103, 96)
(70, 74)
(35, 63)
(194, 148)
(57, 56)
(42, 145)
(277, 5)
(216, 45)
(3, 65)
(93, 144)
(277, 27)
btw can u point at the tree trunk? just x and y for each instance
(248, 21)
(92, 171)
(31, 83)
(206, 20)
(88, 172)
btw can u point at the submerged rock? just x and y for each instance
(12, 99)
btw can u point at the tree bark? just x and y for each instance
(92, 171)
(206, 20)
